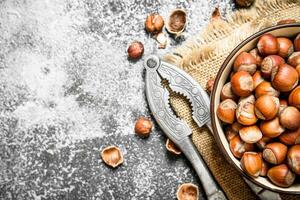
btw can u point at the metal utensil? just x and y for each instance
(177, 129)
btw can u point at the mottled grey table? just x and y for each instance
(67, 90)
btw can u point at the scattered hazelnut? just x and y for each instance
(227, 93)
(297, 42)
(257, 78)
(290, 137)
(188, 191)
(210, 85)
(135, 50)
(266, 107)
(286, 47)
(271, 128)
(154, 23)
(245, 62)
(251, 163)
(143, 127)
(284, 77)
(286, 21)
(255, 54)
(294, 59)
(238, 147)
(275, 153)
(294, 98)
(242, 83)
(245, 113)
(226, 111)
(293, 157)
(244, 3)
(112, 156)
(250, 134)
(290, 118)
(171, 147)
(265, 88)
(281, 175)
(269, 63)
(268, 45)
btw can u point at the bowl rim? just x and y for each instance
(213, 96)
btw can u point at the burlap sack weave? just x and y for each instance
(203, 55)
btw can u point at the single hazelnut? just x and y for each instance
(245, 113)
(264, 167)
(242, 83)
(286, 21)
(294, 59)
(271, 128)
(244, 3)
(226, 111)
(230, 133)
(245, 62)
(210, 85)
(290, 118)
(284, 77)
(251, 163)
(261, 144)
(275, 153)
(281, 175)
(294, 98)
(257, 78)
(135, 50)
(269, 63)
(266, 107)
(112, 156)
(188, 191)
(227, 93)
(238, 147)
(286, 47)
(250, 134)
(255, 54)
(268, 45)
(293, 157)
(171, 147)
(289, 137)
(154, 23)
(143, 127)
(297, 42)
(265, 88)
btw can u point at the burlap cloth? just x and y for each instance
(203, 55)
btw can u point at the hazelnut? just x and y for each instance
(154, 23)
(297, 42)
(284, 77)
(135, 50)
(261, 144)
(250, 134)
(271, 128)
(286, 47)
(281, 175)
(226, 111)
(269, 63)
(267, 45)
(257, 78)
(177, 22)
(286, 21)
(264, 167)
(294, 59)
(143, 127)
(242, 83)
(275, 153)
(255, 54)
(245, 62)
(244, 3)
(265, 88)
(210, 85)
(251, 163)
(290, 118)
(230, 133)
(282, 104)
(171, 147)
(238, 147)
(227, 93)
(293, 157)
(112, 156)
(245, 113)
(188, 191)
(266, 107)
(294, 98)
(290, 137)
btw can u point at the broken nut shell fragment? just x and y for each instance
(112, 156)
(171, 147)
(176, 22)
(188, 191)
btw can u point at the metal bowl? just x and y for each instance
(287, 30)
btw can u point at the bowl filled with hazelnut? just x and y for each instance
(256, 108)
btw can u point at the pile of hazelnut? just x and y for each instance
(260, 109)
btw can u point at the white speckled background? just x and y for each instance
(67, 90)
